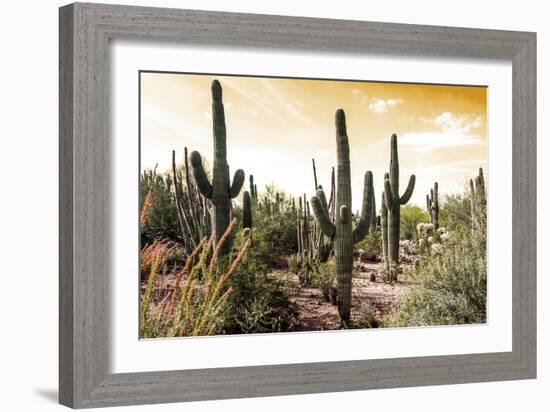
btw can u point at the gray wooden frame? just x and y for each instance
(85, 31)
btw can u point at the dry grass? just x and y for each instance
(194, 303)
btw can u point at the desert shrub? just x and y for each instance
(450, 287)
(411, 216)
(372, 242)
(324, 277)
(455, 212)
(366, 317)
(274, 227)
(260, 302)
(162, 221)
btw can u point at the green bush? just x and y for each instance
(372, 242)
(411, 216)
(324, 277)
(162, 221)
(450, 288)
(366, 317)
(274, 226)
(455, 212)
(260, 299)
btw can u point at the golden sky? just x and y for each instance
(276, 126)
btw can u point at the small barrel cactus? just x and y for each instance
(220, 191)
(341, 231)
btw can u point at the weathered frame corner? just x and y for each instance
(84, 34)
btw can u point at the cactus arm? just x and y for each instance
(321, 195)
(363, 226)
(388, 194)
(408, 193)
(203, 184)
(322, 217)
(238, 182)
(344, 214)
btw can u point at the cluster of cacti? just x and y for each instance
(192, 207)
(341, 231)
(273, 204)
(220, 190)
(478, 201)
(204, 207)
(391, 212)
(432, 206)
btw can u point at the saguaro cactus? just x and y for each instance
(220, 191)
(341, 231)
(384, 227)
(432, 206)
(478, 201)
(247, 210)
(252, 192)
(394, 201)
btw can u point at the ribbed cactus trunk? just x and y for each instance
(373, 218)
(436, 207)
(341, 231)
(343, 240)
(384, 227)
(220, 191)
(394, 201)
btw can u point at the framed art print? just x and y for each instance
(257, 205)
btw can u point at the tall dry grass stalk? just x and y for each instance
(146, 208)
(197, 300)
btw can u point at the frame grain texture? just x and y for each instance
(85, 31)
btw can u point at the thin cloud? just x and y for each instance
(257, 102)
(170, 121)
(382, 106)
(290, 108)
(452, 131)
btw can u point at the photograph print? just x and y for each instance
(271, 205)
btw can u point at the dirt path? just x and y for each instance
(316, 313)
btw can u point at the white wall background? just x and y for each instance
(28, 209)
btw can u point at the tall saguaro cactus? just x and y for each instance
(478, 201)
(220, 191)
(341, 231)
(432, 206)
(394, 201)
